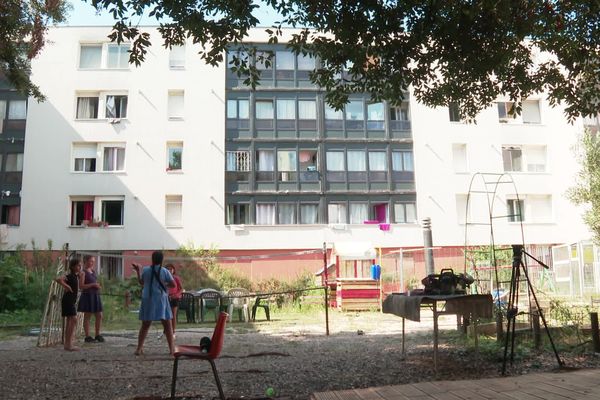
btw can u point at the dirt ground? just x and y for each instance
(293, 358)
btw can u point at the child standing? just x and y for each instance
(70, 283)
(90, 302)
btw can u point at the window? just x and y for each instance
(375, 116)
(309, 213)
(331, 113)
(307, 109)
(354, 110)
(308, 165)
(111, 265)
(265, 165)
(462, 214)
(377, 161)
(402, 161)
(113, 159)
(335, 161)
(306, 62)
(82, 210)
(286, 213)
(233, 54)
(11, 215)
(399, 113)
(176, 103)
(264, 60)
(116, 106)
(336, 213)
(265, 214)
(17, 109)
(238, 109)
(506, 111)
(174, 156)
(516, 210)
(14, 162)
(90, 56)
(357, 160)
(238, 214)
(84, 156)
(512, 158)
(287, 165)
(380, 212)
(3, 104)
(286, 109)
(177, 57)
(540, 208)
(359, 213)
(238, 161)
(405, 213)
(459, 157)
(118, 56)
(87, 107)
(535, 158)
(531, 112)
(284, 60)
(264, 109)
(453, 112)
(112, 211)
(173, 210)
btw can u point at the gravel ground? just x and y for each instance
(294, 359)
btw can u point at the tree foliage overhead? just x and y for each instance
(23, 24)
(468, 52)
(587, 188)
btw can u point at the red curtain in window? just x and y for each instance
(381, 212)
(14, 213)
(88, 210)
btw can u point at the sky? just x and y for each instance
(83, 14)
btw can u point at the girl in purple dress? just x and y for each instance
(89, 301)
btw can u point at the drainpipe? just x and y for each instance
(428, 245)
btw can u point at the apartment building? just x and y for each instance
(127, 159)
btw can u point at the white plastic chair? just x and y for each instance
(238, 300)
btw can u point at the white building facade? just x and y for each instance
(165, 153)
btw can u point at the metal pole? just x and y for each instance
(403, 288)
(326, 310)
(428, 244)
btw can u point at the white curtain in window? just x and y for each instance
(287, 214)
(177, 57)
(336, 213)
(266, 160)
(375, 112)
(307, 109)
(173, 210)
(308, 213)
(176, 103)
(331, 113)
(286, 160)
(230, 161)
(118, 56)
(243, 109)
(377, 161)
(86, 107)
(359, 213)
(335, 161)
(111, 111)
(114, 159)
(354, 110)
(357, 161)
(286, 109)
(264, 110)
(411, 213)
(90, 56)
(284, 60)
(17, 109)
(265, 214)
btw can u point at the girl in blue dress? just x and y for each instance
(156, 282)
